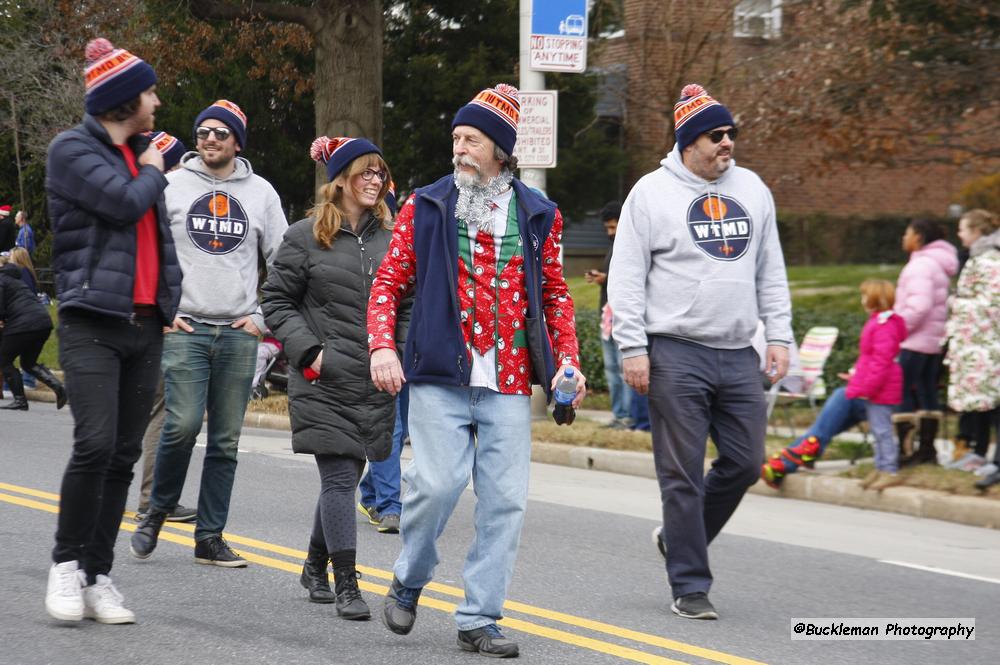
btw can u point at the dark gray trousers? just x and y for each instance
(696, 392)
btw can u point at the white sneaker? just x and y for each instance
(64, 597)
(103, 603)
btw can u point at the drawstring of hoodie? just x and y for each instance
(709, 186)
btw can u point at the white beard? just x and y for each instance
(473, 198)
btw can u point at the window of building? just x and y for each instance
(757, 18)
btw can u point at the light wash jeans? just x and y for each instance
(620, 393)
(457, 432)
(210, 368)
(886, 448)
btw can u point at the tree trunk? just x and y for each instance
(348, 43)
(348, 79)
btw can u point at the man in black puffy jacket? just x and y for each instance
(118, 284)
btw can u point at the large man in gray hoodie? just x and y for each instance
(697, 261)
(222, 218)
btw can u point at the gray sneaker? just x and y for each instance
(388, 523)
(487, 641)
(694, 606)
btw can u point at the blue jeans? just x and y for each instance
(886, 448)
(638, 410)
(210, 368)
(380, 485)
(839, 414)
(620, 393)
(457, 432)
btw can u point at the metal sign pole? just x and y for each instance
(530, 81)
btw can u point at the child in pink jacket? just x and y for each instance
(877, 378)
(875, 385)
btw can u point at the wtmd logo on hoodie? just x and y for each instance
(217, 223)
(719, 226)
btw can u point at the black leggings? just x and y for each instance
(976, 428)
(920, 381)
(335, 528)
(27, 345)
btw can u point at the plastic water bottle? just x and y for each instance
(564, 413)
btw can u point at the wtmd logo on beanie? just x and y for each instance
(113, 76)
(495, 112)
(696, 113)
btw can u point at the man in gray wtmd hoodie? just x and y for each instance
(697, 261)
(222, 218)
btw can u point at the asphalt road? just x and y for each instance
(589, 585)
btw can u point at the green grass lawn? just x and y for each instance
(50, 354)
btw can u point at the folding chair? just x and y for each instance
(813, 352)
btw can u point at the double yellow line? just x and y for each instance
(175, 533)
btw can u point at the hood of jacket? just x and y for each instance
(942, 253)
(985, 244)
(11, 270)
(674, 164)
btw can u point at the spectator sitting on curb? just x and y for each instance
(875, 385)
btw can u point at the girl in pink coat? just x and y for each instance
(877, 379)
(922, 301)
(875, 386)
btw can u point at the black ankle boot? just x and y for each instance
(314, 577)
(17, 404)
(350, 604)
(929, 423)
(45, 375)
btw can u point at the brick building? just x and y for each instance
(646, 66)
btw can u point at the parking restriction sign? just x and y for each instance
(559, 36)
(537, 130)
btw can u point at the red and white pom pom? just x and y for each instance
(318, 150)
(97, 49)
(507, 89)
(692, 90)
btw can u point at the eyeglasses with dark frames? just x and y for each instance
(370, 173)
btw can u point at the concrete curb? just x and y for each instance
(808, 486)
(970, 510)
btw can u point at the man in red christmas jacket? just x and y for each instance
(492, 315)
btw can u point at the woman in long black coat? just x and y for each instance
(315, 301)
(26, 326)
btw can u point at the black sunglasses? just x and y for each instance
(221, 133)
(715, 136)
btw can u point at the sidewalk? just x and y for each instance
(821, 484)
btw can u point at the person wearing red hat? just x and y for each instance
(8, 229)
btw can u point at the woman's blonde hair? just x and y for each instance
(983, 221)
(328, 211)
(879, 294)
(19, 256)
